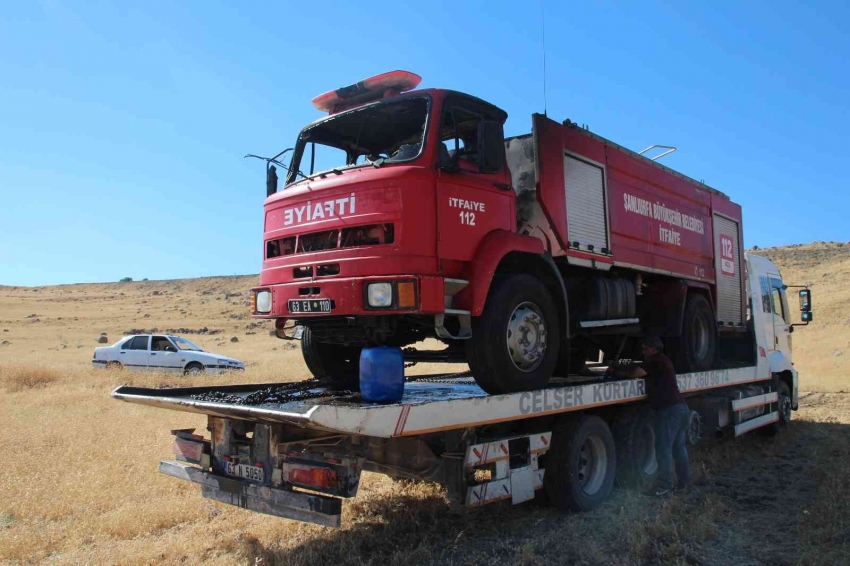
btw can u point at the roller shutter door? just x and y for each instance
(586, 211)
(728, 267)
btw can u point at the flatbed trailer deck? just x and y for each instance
(428, 406)
(483, 448)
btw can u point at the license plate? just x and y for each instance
(309, 305)
(252, 473)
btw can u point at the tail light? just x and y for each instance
(321, 478)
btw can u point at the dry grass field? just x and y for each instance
(79, 484)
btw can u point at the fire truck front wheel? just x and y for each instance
(335, 362)
(515, 341)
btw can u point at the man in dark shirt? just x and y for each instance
(671, 415)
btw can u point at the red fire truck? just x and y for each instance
(406, 214)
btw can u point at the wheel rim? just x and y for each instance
(526, 337)
(699, 337)
(592, 464)
(194, 370)
(784, 409)
(694, 428)
(650, 464)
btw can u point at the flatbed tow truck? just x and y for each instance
(296, 450)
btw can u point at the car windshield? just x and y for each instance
(377, 134)
(184, 344)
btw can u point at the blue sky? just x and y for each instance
(123, 126)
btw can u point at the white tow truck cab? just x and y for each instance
(296, 450)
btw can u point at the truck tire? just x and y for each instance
(634, 437)
(338, 363)
(515, 341)
(783, 406)
(694, 428)
(698, 343)
(581, 464)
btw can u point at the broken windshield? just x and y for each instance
(374, 135)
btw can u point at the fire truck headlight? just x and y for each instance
(264, 301)
(380, 295)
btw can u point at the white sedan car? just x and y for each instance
(161, 352)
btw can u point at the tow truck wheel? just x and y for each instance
(515, 341)
(783, 407)
(634, 436)
(698, 342)
(336, 362)
(581, 464)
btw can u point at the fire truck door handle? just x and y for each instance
(502, 186)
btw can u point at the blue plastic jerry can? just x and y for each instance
(381, 374)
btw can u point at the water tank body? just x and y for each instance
(381, 374)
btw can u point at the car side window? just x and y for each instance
(162, 344)
(139, 343)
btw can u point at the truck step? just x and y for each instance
(457, 312)
(610, 322)
(755, 423)
(464, 331)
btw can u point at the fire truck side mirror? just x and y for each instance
(271, 180)
(491, 146)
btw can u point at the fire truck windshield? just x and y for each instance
(382, 133)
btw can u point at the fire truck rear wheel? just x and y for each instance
(336, 362)
(698, 342)
(581, 464)
(515, 341)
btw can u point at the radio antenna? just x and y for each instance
(543, 33)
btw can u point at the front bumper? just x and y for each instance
(348, 297)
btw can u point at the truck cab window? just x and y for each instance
(778, 307)
(459, 135)
(322, 158)
(377, 134)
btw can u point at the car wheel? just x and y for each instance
(114, 366)
(194, 369)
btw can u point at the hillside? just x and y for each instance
(822, 349)
(62, 323)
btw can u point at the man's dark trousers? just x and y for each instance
(671, 429)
